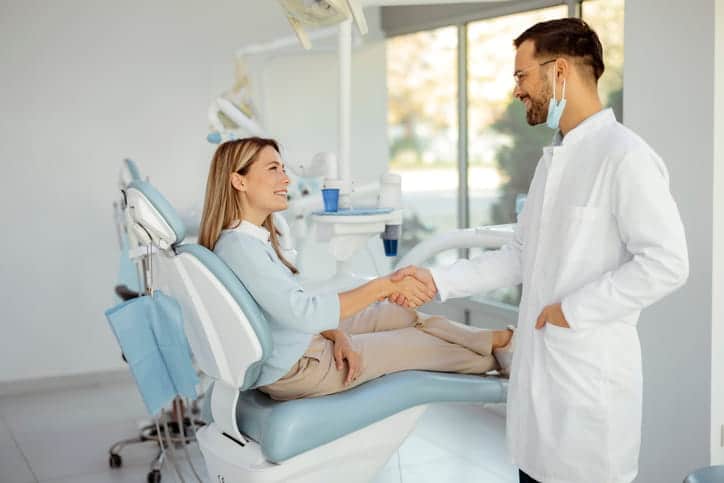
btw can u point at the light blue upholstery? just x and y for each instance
(162, 205)
(288, 428)
(237, 290)
(133, 169)
(712, 474)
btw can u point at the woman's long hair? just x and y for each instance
(222, 205)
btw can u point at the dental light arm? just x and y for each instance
(243, 120)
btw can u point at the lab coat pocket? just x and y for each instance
(573, 360)
(575, 382)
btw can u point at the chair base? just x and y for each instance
(149, 434)
(354, 458)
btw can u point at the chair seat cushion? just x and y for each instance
(287, 428)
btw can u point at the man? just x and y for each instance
(599, 238)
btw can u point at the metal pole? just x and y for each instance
(345, 93)
(574, 8)
(463, 198)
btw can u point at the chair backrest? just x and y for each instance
(227, 332)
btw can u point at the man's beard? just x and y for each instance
(538, 112)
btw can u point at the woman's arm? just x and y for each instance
(354, 300)
(280, 295)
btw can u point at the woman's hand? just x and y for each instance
(343, 351)
(411, 291)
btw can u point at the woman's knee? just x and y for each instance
(397, 315)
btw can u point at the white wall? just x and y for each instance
(668, 90)
(717, 334)
(84, 84)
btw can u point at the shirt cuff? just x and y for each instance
(442, 284)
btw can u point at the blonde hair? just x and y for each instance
(222, 204)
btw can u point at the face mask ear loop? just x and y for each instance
(555, 101)
(563, 94)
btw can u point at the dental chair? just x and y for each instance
(346, 437)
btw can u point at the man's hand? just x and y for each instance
(421, 274)
(343, 351)
(552, 314)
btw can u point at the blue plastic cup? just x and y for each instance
(331, 199)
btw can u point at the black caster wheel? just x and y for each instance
(154, 476)
(115, 461)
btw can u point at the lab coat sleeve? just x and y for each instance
(277, 291)
(493, 269)
(651, 229)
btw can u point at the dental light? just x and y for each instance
(321, 13)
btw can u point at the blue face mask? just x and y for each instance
(555, 109)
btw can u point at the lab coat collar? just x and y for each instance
(590, 124)
(258, 232)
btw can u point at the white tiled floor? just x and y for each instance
(63, 437)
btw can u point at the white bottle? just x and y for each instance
(390, 191)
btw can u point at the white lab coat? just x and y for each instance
(601, 233)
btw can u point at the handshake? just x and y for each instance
(410, 287)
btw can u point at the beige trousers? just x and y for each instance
(389, 338)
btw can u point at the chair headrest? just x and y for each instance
(153, 216)
(129, 172)
(132, 168)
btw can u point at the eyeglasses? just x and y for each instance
(518, 75)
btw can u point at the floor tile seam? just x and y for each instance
(19, 448)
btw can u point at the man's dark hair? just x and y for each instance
(566, 36)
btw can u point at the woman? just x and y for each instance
(316, 338)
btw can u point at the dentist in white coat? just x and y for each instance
(600, 238)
